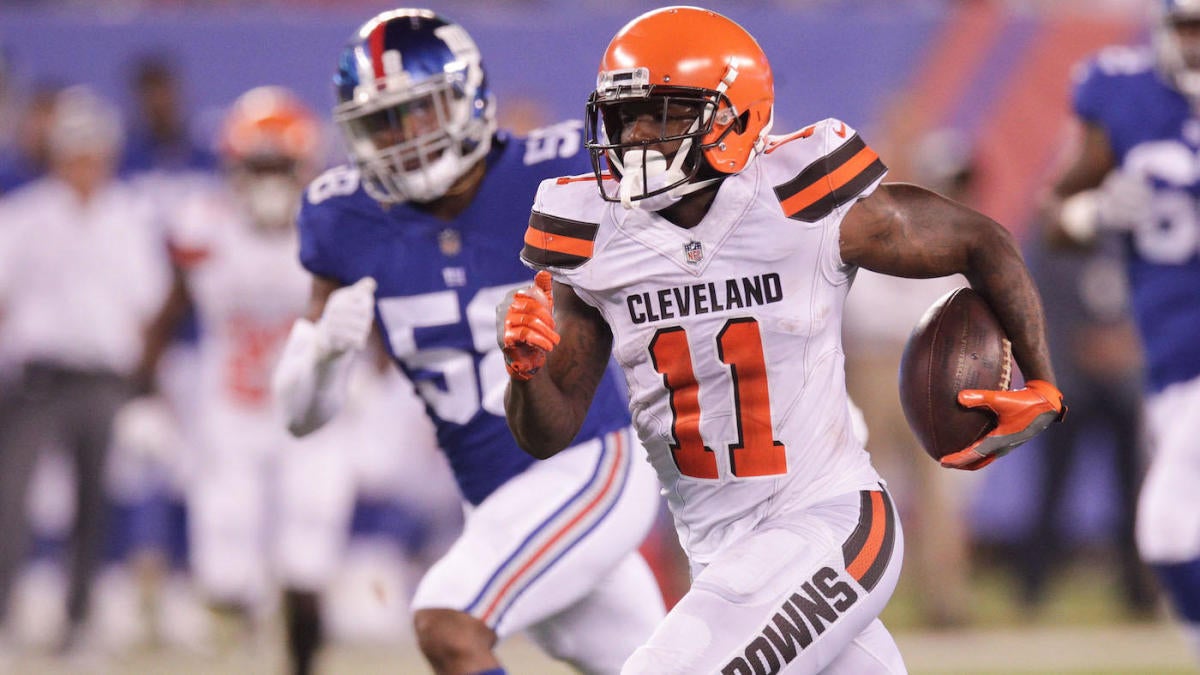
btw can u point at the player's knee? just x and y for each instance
(448, 637)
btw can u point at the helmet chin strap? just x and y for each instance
(649, 172)
(645, 171)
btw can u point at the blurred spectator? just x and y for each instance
(148, 524)
(80, 273)
(160, 136)
(1097, 359)
(27, 157)
(880, 314)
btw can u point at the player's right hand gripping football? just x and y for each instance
(526, 328)
(1020, 415)
(346, 321)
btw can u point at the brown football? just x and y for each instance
(958, 344)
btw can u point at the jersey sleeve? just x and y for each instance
(561, 235)
(190, 229)
(1088, 91)
(821, 168)
(312, 224)
(818, 173)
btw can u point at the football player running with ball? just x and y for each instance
(1133, 176)
(420, 236)
(713, 262)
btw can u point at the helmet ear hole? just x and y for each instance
(742, 121)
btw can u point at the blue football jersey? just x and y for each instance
(438, 286)
(1156, 135)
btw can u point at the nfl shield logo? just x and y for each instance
(694, 251)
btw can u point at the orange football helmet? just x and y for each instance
(268, 123)
(270, 143)
(689, 56)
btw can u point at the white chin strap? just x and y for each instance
(644, 171)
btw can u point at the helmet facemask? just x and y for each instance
(695, 119)
(412, 143)
(269, 189)
(270, 147)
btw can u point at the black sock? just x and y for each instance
(302, 614)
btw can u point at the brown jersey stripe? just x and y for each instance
(814, 172)
(830, 182)
(558, 242)
(869, 549)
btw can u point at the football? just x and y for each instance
(958, 344)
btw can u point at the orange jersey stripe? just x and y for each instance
(837, 178)
(870, 550)
(803, 133)
(563, 180)
(559, 243)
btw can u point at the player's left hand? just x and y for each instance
(1020, 414)
(526, 327)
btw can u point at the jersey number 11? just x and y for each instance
(739, 346)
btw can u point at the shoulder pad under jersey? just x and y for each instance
(564, 223)
(820, 168)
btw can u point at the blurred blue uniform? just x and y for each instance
(1154, 133)
(1151, 125)
(438, 286)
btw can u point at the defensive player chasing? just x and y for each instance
(713, 262)
(422, 234)
(1134, 175)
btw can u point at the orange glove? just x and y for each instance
(527, 330)
(1020, 415)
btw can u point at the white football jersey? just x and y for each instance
(248, 289)
(729, 333)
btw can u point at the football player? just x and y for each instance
(1132, 176)
(264, 508)
(714, 261)
(421, 235)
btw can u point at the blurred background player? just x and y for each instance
(880, 315)
(265, 509)
(422, 233)
(81, 271)
(1097, 357)
(146, 555)
(1132, 173)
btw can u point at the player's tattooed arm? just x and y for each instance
(908, 231)
(546, 412)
